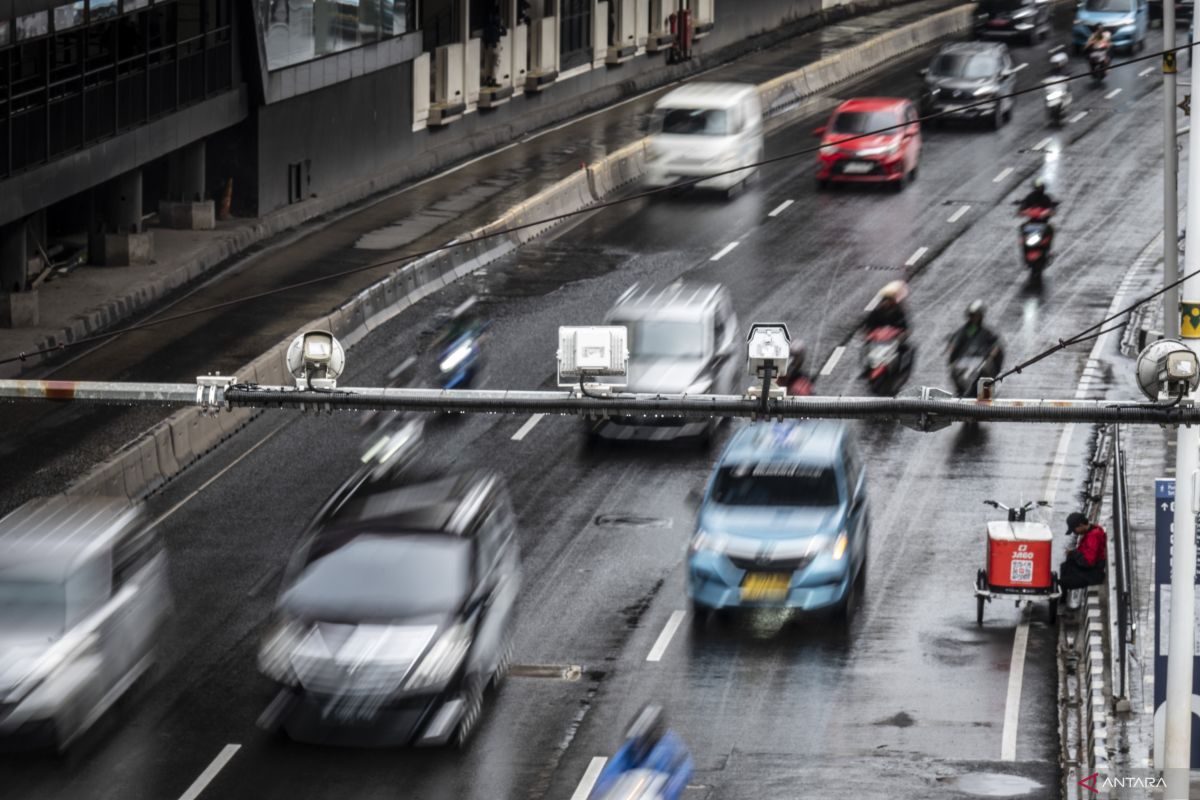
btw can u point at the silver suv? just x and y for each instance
(83, 594)
(682, 338)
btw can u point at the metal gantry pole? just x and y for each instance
(1170, 177)
(1181, 635)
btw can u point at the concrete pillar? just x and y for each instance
(120, 240)
(18, 308)
(186, 206)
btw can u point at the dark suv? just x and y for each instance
(970, 74)
(395, 613)
(1027, 20)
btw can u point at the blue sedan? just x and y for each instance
(1126, 20)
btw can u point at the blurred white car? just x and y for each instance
(83, 594)
(704, 128)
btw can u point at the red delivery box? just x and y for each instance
(1018, 555)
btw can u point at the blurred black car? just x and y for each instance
(1184, 10)
(1027, 20)
(970, 80)
(395, 613)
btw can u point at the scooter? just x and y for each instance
(886, 363)
(459, 361)
(392, 440)
(1058, 92)
(966, 371)
(1037, 236)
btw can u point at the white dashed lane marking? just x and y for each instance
(724, 251)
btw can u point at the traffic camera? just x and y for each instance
(316, 359)
(768, 346)
(592, 352)
(1167, 368)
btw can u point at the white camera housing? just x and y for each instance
(768, 346)
(316, 359)
(592, 352)
(1166, 368)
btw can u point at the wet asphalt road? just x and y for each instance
(43, 448)
(910, 704)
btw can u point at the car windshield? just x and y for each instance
(997, 6)
(382, 578)
(776, 484)
(654, 339)
(968, 66)
(1108, 5)
(692, 121)
(30, 606)
(864, 121)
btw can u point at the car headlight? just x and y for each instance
(275, 657)
(984, 91)
(890, 149)
(838, 549)
(1033, 240)
(1079, 22)
(456, 357)
(1024, 13)
(712, 542)
(442, 660)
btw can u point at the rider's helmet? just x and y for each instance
(1059, 61)
(1039, 184)
(975, 312)
(647, 728)
(895, 291)
(1097, 28)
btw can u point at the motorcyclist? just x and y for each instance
(1100, 39)
(973, 338)
(1038, 197)
(649, 747)
(463, 320)
(796, 380)
(888, 311)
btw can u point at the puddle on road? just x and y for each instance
(992, 784)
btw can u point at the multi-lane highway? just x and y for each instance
(914, 701)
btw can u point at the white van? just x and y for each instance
(703, 128)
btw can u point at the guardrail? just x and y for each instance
(1122, 582)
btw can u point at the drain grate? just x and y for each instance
(632, 521)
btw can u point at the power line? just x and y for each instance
(600, 205)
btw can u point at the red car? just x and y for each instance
(890, 156)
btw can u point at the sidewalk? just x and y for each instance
(91, 300)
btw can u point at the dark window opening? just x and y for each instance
(576, 33)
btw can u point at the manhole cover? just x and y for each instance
(993, 784)
(632, 521)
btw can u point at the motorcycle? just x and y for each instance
(1058, 100)
(1098, 62)
(967, 370)
(392, 440)
(461, 359)
(886, 362)
(1037, 236)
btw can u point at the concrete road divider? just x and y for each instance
(169, 447)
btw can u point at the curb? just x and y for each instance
(168, 448)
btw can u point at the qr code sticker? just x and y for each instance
(1022, 572)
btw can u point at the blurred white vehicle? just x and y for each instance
(83, 594)
(704, 128)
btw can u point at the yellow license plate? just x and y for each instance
(759, 586)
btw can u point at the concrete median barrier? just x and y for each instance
(174, 444)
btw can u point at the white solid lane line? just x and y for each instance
(210, 772)
(1077, 117)
(916, 256)
(1020, 67)
(723, 251)
(957, 215)
(1016, 672)
(779, 209)
(664, 638)
(1004, 173)
(589, 778)
(834, 358)
(1113, 93)
(210, 481)
(1043, 143)
(1057, 47)
(527, 427)
(1146, 71)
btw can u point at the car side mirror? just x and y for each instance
(819, 131)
